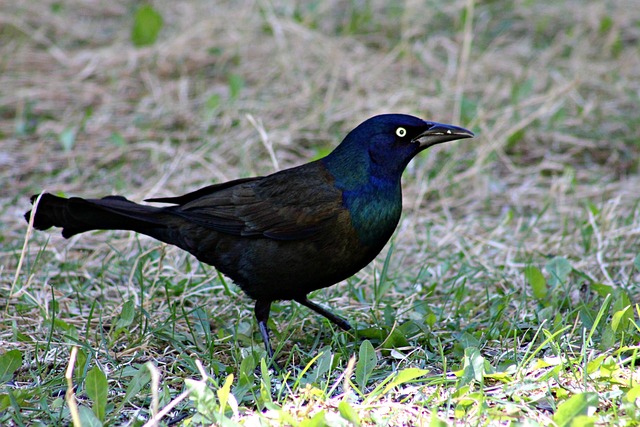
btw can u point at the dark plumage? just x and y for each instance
(284, 235)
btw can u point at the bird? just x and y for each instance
(283, 235)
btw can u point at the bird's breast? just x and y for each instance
(375, 213)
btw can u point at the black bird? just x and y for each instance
(284, 235)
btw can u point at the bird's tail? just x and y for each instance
(76, 215)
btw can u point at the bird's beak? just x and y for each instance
(437, 133)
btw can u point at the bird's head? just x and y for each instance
(382, 146)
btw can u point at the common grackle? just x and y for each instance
(284, 235)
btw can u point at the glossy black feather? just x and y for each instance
(283, 235)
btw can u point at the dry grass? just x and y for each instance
(552, 91)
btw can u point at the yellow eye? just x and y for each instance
(401, 132)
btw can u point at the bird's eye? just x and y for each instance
(401, 132)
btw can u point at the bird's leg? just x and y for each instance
(324, 312)
(262, 315)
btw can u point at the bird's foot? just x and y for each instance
(262, 310)
(341, 322)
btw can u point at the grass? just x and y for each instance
(509, 295)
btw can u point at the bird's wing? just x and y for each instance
(204, 191)
(289, 205)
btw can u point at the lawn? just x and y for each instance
(509, 294)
